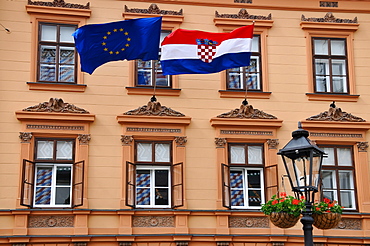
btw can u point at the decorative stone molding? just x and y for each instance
(54, 127)
(80, 244)
(181, 141)
(335, 114)
(243, 14)
(362, 146)
(223, 243)
(153, 221)
(25, 136)
(318, 244)
(19, 244)
(84, 139)
(235, 132)
(272, 143)
(126, 140)
(220, 142)
(153, 9)
(125, 243)
(59, 3)
(328, 4)
(349, 224)
(182, 243)
(329, 17)
(248, 222)
(242, 1)
(146, 129)
(50, 221)
(56, 105)
(154, 108)
(335, 135)
(246, 112)
(278, 244)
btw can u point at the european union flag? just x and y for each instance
(129, 39)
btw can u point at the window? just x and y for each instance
(150, 72)
(153, 180)
(338, 176)
(246, 176)
(238, 77)
(57, 57)
(50, 179)
(330, 65)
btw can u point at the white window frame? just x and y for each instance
(152, 186)
(246, 189)
(53, 185)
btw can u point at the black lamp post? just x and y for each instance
(303, 161)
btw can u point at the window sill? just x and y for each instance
(241, 94)
(332, 97)
(56, 87)
(150, 91)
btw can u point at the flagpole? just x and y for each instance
(245, 102)
(155, 81)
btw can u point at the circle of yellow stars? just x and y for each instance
(108, 34)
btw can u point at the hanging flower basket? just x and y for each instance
(283, 220)
(326, 221)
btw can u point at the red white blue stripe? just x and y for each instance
(180, 51)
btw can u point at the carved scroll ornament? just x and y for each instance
(329, 17)
(335, 114)
(56, 105)
(246, 112)
(153, 9)
(59, 3)
(154, 108)
(243, 14)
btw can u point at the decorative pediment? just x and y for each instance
(56, 105)
(153, 9)
(335, 114)
(59, 3)
(154, 108)
(246, 111)
(243, 14)
(329, 17)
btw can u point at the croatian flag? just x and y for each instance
(194, 52)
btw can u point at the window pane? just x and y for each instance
(339, 84)
(328, 179)
(347, 199)
(64, 150)
(143, 196)
(345, 180)
(344, 156)
(234, 81)
(43, 196)
(161, 196)
(66, 73)
(237, 188)
(322, 84)
(338, 47)
(329, 160)
(255, 44)
(162, 152)
(330, 195)
(254, 197)
(253, 82)
(63, 176)
(47, 54)
(47, 73)
(144, 77)
(48, 33)
(144, 152)
(44, 175)
(254, 178)
(321, 47)
(237, 154)
(62, 195)
(236, 179)
(254, 154)
(339, 67)
(67, 55)
(161, 178)
(143, 187)
(322, 66)
(237, 198)
(45, 149)
(66, 34)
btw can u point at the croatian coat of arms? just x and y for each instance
(206, 49)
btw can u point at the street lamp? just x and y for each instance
(303, 161)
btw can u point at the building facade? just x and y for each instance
(130, 157)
